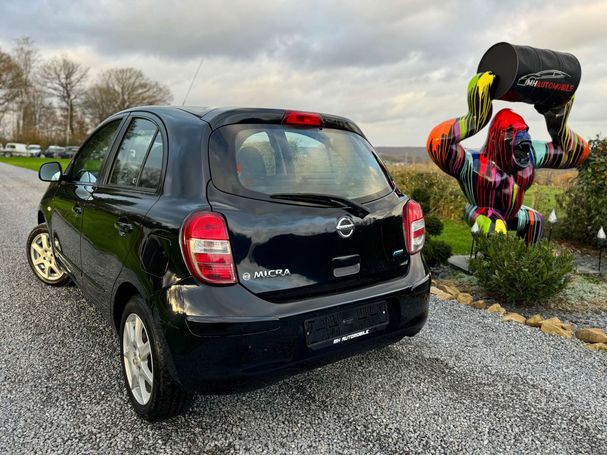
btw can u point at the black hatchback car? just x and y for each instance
(230, 247)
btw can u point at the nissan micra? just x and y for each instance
(232, 247)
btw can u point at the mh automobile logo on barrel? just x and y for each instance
(544, 79)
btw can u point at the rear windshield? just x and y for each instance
(257, 160)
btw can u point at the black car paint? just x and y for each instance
(217, 334)
(309, 258)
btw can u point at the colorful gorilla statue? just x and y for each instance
(494, 179)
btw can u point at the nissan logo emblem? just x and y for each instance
(345, 227)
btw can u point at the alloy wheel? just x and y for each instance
(43, 259)
(138, 362)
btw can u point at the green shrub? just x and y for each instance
(586, 202)
(434, 226)
(447, 199)
(436, 252)
(517, 273)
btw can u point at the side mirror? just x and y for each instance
(50, 172)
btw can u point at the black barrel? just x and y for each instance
(541, 77)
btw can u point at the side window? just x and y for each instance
(89, 160)
(150, 175)
(132, 152)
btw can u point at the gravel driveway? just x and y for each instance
(468, 383)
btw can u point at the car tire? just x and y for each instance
(153, 392)
(41, 258)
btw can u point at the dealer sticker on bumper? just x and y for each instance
(351, 336)
(346, 324)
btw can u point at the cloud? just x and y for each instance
(396, 67)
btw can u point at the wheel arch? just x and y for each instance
(123, 293)
(125, 288)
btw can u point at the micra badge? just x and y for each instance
(266, 274)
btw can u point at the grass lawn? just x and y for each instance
(456, 234)
(32, 163)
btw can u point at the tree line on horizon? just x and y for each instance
(54, 101)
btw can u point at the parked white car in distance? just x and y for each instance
(34, 150)
(15, 149)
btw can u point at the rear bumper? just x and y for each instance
(222, 354)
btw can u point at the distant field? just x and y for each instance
(543, 198)
(32, 163)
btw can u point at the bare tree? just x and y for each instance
(121, 88)
(64, 79)
(25, 56)
(98, 103)
(10, 77)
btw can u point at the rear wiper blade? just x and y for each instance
(333, 201)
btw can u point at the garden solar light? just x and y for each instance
(552, 221)
(474, 231)
(601, 237)
(552, 217)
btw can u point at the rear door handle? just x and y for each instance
(346, 265)
(77, 209)
(123, 226)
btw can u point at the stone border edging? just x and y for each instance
(594, 339)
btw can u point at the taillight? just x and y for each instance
(206, 248)
(302, 119)
(414, 226)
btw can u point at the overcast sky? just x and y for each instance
(395, 67)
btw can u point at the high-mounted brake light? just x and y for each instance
(206, 248)
(414, 226)
(302, 119)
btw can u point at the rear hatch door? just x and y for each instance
(309, 210)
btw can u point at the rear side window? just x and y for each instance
(132, 152)
(261, 160)
(152, 169)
